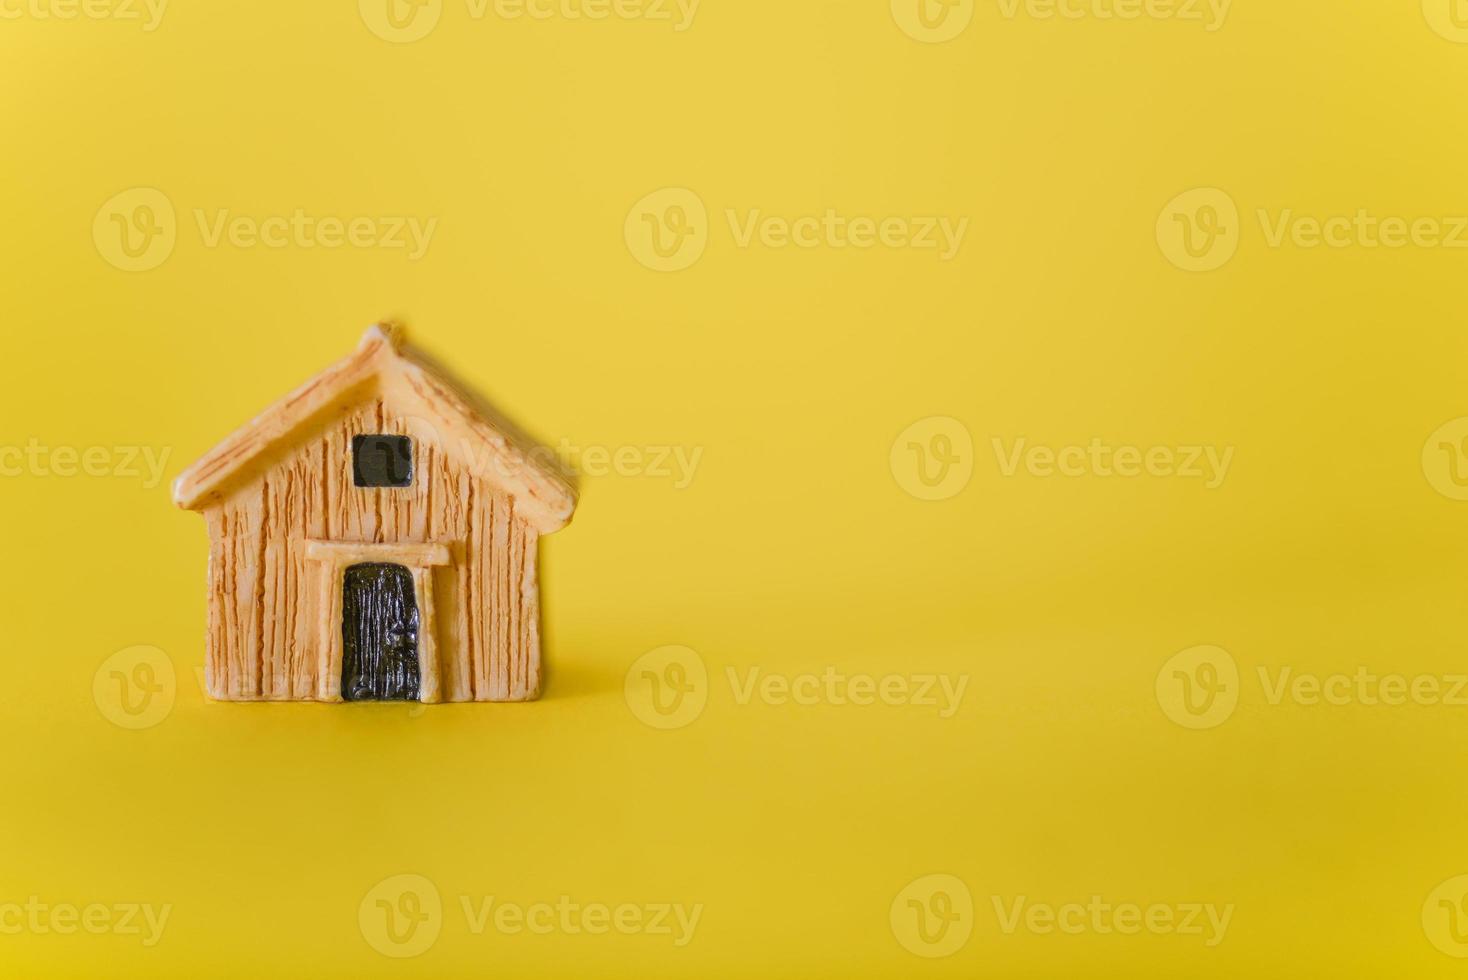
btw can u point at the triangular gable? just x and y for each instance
(408, 384)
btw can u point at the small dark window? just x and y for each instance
(382, 461)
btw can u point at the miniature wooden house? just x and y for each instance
(373, 536)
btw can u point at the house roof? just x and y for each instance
(410, 383)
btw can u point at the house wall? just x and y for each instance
(264, 608)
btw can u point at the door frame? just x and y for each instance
(332, 559)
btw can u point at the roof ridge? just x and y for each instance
(544, 493)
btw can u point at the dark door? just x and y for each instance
(379, 634)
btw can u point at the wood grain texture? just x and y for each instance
(411, 553)
(404, 380)
(288, 520)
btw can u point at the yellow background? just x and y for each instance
(795, 547)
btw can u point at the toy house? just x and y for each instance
(373, 536)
